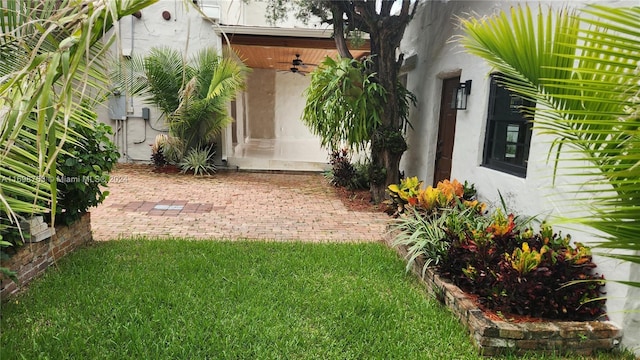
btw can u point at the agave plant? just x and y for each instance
(192, 95)
(200, 161)
(583, 72)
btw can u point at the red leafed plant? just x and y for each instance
(498, 257)
(518, 271)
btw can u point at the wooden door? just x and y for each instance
(446, 131)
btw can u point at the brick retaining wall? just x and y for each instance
(32, 259)
(502, 337)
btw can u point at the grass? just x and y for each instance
(176, 299)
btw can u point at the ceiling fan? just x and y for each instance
(294, 69)
(297, 64)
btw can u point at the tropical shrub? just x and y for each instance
(346, 174)
(446, 194)
(424, 237)
(84, 167)
(422, 216)
(518, 271)
(362, 179)
(199, 161)
(157, 154)
(166, 150)
(498, 257)
(343, 103)
(342, 171)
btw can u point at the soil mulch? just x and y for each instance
(358, 200)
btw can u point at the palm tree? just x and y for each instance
(50, 59)
(583, 72)
(192, 95)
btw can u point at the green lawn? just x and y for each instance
(177, 299)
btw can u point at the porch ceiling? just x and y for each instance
(278, 52)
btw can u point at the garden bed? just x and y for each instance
(494, 337)
(33, 259)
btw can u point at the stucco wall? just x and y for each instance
(290, 102)
(261, 100)
(236, 12)
(291, 132)
(429, 36)
(274, 129)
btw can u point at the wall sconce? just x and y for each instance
(460, 95)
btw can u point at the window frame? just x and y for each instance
(496, 123)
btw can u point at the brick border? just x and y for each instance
(33, 259)
(500, 337)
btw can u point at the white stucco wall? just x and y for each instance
(290, 105)
(429, 36)
(289, 129)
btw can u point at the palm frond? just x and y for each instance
(193, 95)
(42, 88)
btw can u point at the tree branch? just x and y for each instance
(385, 10)
(338, 31)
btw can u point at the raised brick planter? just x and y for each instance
(32, 259)
(500, 337)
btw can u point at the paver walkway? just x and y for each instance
(229, 205)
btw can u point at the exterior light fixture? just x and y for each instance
(460, 95)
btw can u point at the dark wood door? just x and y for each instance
(446, 131)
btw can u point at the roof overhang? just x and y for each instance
(276, 48)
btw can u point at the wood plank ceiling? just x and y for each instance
(278, 52)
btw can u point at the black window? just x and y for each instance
(508, 133)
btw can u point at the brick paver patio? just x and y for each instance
(229, 205)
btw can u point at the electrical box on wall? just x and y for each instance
(146, 114)
(117, 106)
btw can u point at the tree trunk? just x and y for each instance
(387, 144)
(386, 31)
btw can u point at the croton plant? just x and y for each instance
(499, 257)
